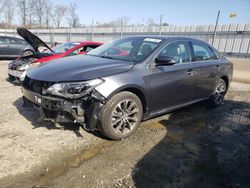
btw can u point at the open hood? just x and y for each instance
(32, 39)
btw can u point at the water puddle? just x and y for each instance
(155, 125)
(46, 178)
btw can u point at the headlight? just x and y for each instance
(73, 89)
(24, 67)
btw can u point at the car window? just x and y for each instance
(177, 50)
(64, 47)
(129, 49)
(16, 41)
(4, 40)
(202, 52)
(87, 48)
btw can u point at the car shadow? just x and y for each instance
(202, 148)
(33, 116)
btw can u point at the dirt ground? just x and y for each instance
(194, 147)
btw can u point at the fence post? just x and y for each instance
(160, 24)
(69, 34)
(92, 30)
(215, 28)
(121, 26)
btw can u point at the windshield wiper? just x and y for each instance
(108, 57)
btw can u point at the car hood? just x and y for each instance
(32, 39)
(78, 68)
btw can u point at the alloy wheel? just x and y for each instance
(124, 117)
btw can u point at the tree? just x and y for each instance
(8, 7)
(48, 13)
(151, 22)
(58, 15)
(73, 18)
(40, 8)
(22, 6)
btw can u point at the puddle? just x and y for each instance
(177, 131)
(155, 125)
(46, 178)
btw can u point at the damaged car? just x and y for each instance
(17, 68)
(114, 93)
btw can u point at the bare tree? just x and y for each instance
(30, 9)
(151, 22)
(40, 11)
(1, 9)
(48, 13)
(73, 18)
(8, 11)
(22, 6)
(58, 14)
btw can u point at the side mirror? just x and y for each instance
(164, 61)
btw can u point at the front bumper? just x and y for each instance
(84, 111)
(17, 74)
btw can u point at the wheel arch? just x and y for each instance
(139, 92)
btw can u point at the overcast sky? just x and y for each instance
(175, 12)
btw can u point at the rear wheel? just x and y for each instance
(121, 116)
(28, 52)
(218, 97)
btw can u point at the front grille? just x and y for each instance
(36, 85)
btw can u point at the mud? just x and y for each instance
(194, 147)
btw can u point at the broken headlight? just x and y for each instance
(73, 89)
(24, 67)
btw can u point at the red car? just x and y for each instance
(17, 68)
(67, 49)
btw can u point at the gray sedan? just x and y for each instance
(13, 47)
(117, 85)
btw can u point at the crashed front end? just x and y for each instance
(17, 68)
(65, 102)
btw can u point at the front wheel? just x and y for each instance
(121, 116)
(218, 97)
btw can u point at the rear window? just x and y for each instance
(202, 52)
(17, 41)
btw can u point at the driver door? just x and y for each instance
(171, 85)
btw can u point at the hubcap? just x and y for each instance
(124, 117)
(220, 92)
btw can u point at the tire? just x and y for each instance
(219, 93)
(27, 53)
(121, 116)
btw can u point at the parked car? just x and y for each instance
(13, 47)
(17, 68)
(113, 93)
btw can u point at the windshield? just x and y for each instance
(63, 47)
(130, 49)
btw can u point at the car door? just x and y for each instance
(16, 46)
(171, 86)
(207, 64)
(4, 46)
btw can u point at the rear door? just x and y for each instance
(171, 86)
(207, 64)
(4, 46)
(16, 46)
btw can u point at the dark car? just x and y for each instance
(113, 93)
(13, 47)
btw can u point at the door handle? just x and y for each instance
(217, 67)
(190, 72)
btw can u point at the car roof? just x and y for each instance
(11, 36)
(166, 37)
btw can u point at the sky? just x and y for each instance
(175, 12)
